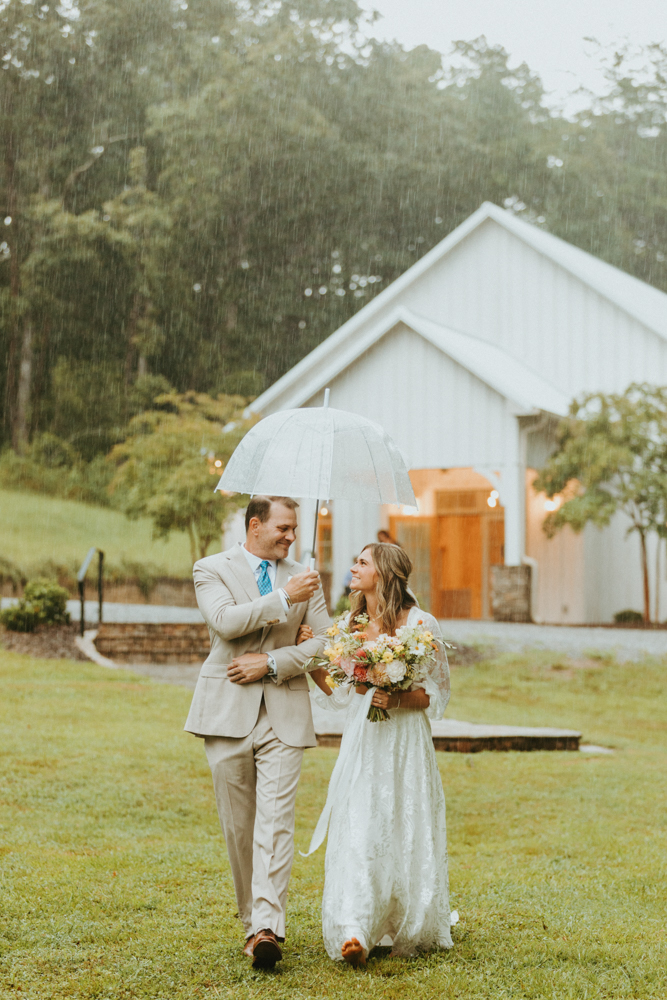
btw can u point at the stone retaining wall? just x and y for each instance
(140, 643)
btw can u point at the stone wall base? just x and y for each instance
(510, 593)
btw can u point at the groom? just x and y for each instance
(251, 705)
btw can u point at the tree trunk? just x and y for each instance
(12, 236)
(647, 595)
(131, 347)
(39, 377)
(22, 416)
(657, 580)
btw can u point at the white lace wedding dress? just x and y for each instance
(386, 862)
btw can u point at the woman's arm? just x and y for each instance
(319, 675)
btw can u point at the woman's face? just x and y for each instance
(364, 575)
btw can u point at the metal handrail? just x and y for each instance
(81, 580)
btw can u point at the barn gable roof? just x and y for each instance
(525, 390)
(635, 297)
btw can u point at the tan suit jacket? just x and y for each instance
(241, 621)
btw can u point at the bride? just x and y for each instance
(386, 859)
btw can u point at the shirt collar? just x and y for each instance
(254, 561)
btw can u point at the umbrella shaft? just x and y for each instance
(314, 548)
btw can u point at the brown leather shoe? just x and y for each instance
(266, 950)
(247, 948)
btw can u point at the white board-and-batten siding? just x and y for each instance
(459, 420)
(496, 287)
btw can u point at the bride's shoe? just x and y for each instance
(353, 953)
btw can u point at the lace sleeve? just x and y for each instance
(436, 683)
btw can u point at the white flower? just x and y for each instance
(395, 671)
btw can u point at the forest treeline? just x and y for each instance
(195, 194)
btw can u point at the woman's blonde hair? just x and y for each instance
(393, 567)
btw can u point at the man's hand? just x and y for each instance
(302, 586)
(248, 668)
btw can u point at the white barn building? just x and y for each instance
(468, 360)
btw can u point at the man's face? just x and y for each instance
(272, 539)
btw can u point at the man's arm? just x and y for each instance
(224, 616)
(291, 660)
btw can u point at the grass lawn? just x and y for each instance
(37, 529)
(114, 881)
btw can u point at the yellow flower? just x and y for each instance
(330, 683)
(329, 652)
(332, 630)
(400, 648)
(387, 656)
(427, 636)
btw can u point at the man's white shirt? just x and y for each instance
(255, 564)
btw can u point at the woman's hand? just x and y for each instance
(305, 632)
(403, 699)
(383, 699)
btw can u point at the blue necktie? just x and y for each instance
(263, 580)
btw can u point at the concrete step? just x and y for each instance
(454, 736)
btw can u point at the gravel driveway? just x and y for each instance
(575, 640)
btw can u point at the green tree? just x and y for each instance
(72, 93)
(166, 468)
(612, 456)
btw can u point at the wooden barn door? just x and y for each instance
(469, 540)
(415, 535)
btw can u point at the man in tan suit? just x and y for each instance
(252, 707)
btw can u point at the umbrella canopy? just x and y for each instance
(322, 453)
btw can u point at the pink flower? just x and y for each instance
(347, 665)
(361, 674)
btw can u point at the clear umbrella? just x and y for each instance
(320, 453)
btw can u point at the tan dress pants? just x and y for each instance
(255, 780)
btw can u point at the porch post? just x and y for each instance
(513, 496)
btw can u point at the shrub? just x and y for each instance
(21, 617)
(51, 600)
(44, 602)
(628, 617)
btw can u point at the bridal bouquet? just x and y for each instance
(390, 662)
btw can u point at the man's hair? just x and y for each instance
(260, 507)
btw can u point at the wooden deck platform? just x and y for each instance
(453, 736)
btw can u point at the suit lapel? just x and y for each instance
(243, 573)
(283, 572)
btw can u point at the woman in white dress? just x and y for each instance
(386, 878)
